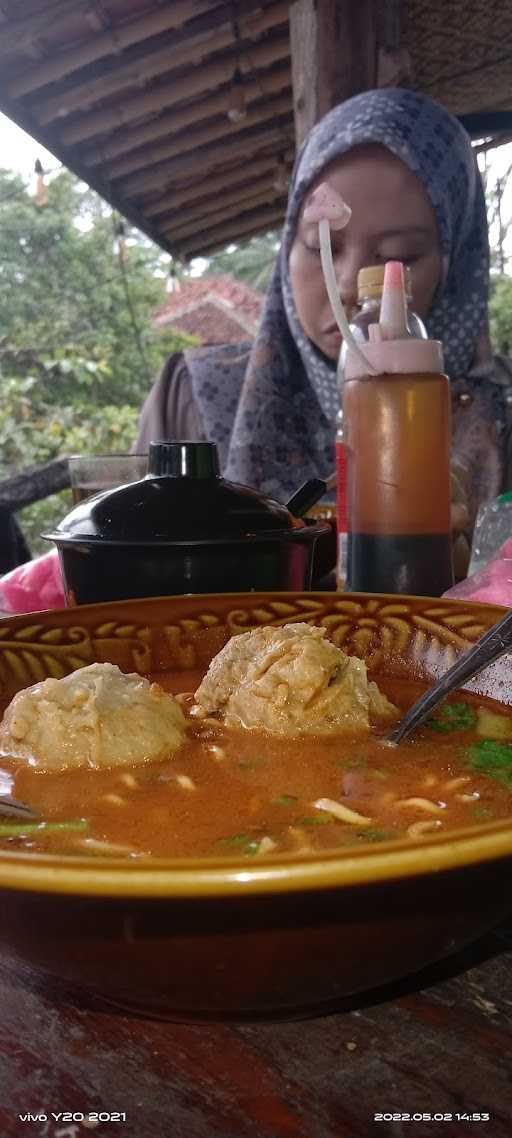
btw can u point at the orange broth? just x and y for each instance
(226, 791)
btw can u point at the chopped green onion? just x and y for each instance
(249, 844)
(321, 820)
(353, 764)
(491, 758)
(234, 840)
(285, 800)
(19, 829)
(371, 835)
(453, 717)
(482, 812)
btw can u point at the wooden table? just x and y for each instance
(440, 1042)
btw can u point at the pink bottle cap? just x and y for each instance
(390, 348)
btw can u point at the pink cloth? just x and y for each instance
(493, 583)
(34, 586)
(38, 585)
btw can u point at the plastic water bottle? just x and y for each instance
(370, 284)
(493, 527)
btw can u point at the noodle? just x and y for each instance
(454, 783)
(419, 828)
(425, 804)
(186, 782)
(129, 781)
(342, 812)
(114, 799)
(266, 845)
(217, 752)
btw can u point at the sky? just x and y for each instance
(18, 151)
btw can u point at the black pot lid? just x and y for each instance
(182, 498)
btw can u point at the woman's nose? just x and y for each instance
(346, 277)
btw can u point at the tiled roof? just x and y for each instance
(218, 310)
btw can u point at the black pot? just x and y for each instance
(183, 529)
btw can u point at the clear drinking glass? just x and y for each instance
(92, 473)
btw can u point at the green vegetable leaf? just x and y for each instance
(357, 762)
(482, 813)
(285, 800)
(453, 717)
(247, 843)
(492, 758)
(251, 764)
(371, 835)
(234, 840)
(317, 820)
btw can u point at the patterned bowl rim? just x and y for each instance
(167, 879)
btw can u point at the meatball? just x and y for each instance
(96, 717)
(290, 680)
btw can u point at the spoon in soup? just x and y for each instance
(11, 808)
(493, 644)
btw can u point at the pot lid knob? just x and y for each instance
(183, 459)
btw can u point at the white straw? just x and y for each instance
(332, 292)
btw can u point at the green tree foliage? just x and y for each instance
(500, 313)
(250, 261)
(63, 288)
(78, 350)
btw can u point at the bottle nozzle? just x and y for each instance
(393, 309)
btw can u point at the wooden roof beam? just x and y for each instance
(259, 223)
(209, 157)
(197, 212)
(202, 223)
(172, 121)
(23, 31)
(197, 81)
(185, 49)
(232, 178)
(111, 42)
(334, 55)
(144, 159)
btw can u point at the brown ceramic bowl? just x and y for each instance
(217, 939)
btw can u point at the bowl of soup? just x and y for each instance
(218, 828)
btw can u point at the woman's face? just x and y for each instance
(392, 220)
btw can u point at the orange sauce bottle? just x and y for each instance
(397, 437)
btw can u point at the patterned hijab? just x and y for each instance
(271, 408)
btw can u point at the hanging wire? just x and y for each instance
(126, 288)
(120, 239)
(129, 302)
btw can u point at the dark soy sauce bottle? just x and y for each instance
(397, 436)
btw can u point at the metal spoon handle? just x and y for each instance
(11, 808)
(488, 648)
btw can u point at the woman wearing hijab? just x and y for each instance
(406, 168)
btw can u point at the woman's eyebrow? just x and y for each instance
(405, 231)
